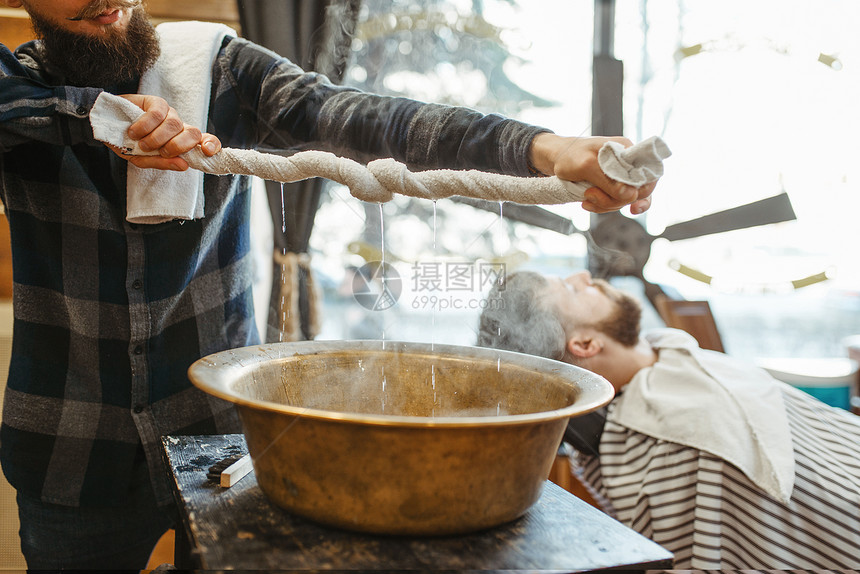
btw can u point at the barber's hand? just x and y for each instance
(161, 129)
(575, 159)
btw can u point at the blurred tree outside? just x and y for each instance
(441, 51)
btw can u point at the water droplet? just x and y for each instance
(283, 211)
(434, 225)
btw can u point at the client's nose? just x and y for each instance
(579, 279)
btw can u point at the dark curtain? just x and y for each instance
(316, 35)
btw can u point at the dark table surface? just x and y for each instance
(237, 528)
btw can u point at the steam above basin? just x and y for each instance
(400, 438)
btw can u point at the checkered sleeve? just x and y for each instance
(31, 110)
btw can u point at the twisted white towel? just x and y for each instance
(381, 179)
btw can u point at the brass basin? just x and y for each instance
(400, 438)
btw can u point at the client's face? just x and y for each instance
(586, 302)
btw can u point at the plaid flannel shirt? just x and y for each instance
(109, 315)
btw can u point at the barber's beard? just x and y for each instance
(107, 60)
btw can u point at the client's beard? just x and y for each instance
(624, 321)
(99, 62)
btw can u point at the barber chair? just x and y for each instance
(694, 317)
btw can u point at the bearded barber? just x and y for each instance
(109, 314)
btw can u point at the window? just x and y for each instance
(753, 98)
(494, 56)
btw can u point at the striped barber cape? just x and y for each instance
(712, 516)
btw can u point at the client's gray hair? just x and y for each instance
(516, 318)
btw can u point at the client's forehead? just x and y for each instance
(582, 303)
(554, 295)
(555, 287)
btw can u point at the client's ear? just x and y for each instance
(12, 3)
(584, 346)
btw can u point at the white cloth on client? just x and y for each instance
(711, 402)
(710, 514)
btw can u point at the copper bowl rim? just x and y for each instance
(216, 373)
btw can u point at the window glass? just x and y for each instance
(494, 56)
(755, 99)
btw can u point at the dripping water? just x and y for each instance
(433, 328)
(383, 389)
(382, 261)
(382, 239)
(285, 313)
(433, 321)
(433, 307)
(500, 279)
(283, 211)
(434, 225)
(433, 384)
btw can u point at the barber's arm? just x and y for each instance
(31, 110)
(298, 110)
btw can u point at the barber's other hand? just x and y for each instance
(575, 159)
(161, 129)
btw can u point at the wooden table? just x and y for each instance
(238, 528)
